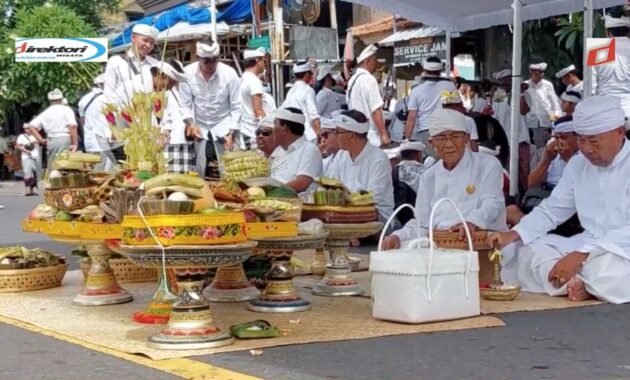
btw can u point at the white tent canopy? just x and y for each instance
(461, 16)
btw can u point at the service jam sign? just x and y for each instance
(61, 49)
(410, 52)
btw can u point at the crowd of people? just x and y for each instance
(435, 142)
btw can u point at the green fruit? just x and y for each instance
(63, 216)
(281, 192)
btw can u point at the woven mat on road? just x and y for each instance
(524, 302)
(331, 319)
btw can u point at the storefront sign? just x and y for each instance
(412, 51)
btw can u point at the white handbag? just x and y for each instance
(422, 283)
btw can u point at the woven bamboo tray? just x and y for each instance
(125, 271)
(448, 239)
(23, 280)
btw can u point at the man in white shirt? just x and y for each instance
(546, 105)
(569, 99)
(178, 151)
(302, 96)
(269, 103)
(424, 100)
(211, 101)
(329, 146)
(252, 110)
(96, 131)
(614, 78)
(60, 125)
(302, 162)
(361, 165)
(131, 72)
(473, 181)
(328, 101)
(265, 143)
(410, 167)
(569, 77)
(364, 95)
(453, 101)
(595, 263)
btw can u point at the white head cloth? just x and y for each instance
(444, 120)
(267, 122)
(208, 51)
(502, 74)
(303, 68)
(64, 101)
(392, 153)
(431, 66)
(337, 76)
(611, 22)
(99, 79)
(328, 124)
(483, 149)
(55, 94)
(598, 114)
(564, 126)
(565, 71)
(253, 53)
(286, 115)
(571, 96)
(448, 97)
(349, 124)
(324, 71)
(171, 72)
(145, 30)
(412, 145)
(542, 66)
(367, 53)
(288, 85)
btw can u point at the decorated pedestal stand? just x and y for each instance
(280, 295)
(101, 287)
(191, 325)
(231, 285)
(338, 279)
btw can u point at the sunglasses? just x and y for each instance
(263, 133)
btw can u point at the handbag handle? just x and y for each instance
(391, 219)
(431, 248)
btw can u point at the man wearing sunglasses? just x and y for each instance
(328, 144)
(211, 101)
(265, 142)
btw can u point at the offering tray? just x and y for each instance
(191, 325)
(279, 295)
(338, 279)
(101, 287)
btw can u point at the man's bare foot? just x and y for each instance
(576, 290)
(355, 242)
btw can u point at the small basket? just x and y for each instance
(152, 207)
(125, 271)
(70, 180)
(23, 280)
(71, 199)
(450, 239)
(340, 214)
(194, 229)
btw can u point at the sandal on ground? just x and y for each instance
(254, 330)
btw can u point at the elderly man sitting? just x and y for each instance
(595, 185)
(471, 180)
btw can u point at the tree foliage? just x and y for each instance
(91, 11)
(23, 82)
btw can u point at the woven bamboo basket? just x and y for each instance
(448, 239)
(125, 271)
(23, 280)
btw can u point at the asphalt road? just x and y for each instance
(589, 343)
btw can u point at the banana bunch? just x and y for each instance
(67, 160)
(188, 184)
(241, 165)
(361, 198)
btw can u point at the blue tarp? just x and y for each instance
(237, 11)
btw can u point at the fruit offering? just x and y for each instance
(241, 165)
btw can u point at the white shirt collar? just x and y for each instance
(297, 144)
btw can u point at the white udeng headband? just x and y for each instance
(303, 68)
(349, 124)
(286, 115)
(207, 51)
(564, 127)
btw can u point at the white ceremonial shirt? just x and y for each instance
(485, 207)
(55, 121)
(25, 139)
(301, 158)
(214, 104)
(555, 170)
(545, 102)
(302, 97)
(250, 86)
(601, 198)
(269, 103)
(364, 95)
(329, 162)
(327, 102)
(94, 122)
(409, 172)
(370, 171)
(579, 88)
(614, 78)
(425, 99)
(124, 75)
(173, 120)
(503, 114)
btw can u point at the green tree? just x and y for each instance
(23, 82)
(91, 11)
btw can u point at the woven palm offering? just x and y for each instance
(23, 269)
(332, 202)
(450, 239)
(241, 165)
